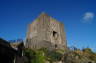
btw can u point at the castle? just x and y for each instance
(46, 32)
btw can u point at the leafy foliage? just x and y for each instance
(35, 56)
(91, 55)
(76, 56)
(42, 55)
(55, 56)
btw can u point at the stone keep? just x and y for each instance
(46, 32)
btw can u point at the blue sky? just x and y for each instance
(78, 16)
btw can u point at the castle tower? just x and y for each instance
(45, 32)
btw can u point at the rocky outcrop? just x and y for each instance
(73, 57)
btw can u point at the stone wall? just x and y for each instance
(45, 29)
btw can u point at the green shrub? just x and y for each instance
(54, 56)
(35, 56)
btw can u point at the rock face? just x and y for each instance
(72, 57)
(45, 31)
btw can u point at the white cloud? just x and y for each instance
(88, 17)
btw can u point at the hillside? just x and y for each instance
(60, 56)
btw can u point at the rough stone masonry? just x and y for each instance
(46, 32)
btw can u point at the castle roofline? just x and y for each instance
(43, 14)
